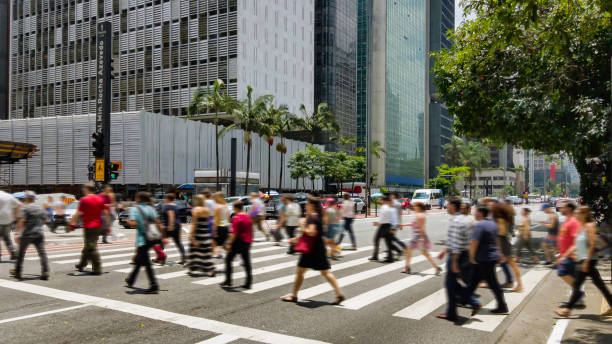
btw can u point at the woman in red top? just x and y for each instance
(239, 242)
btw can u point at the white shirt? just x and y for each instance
(348, 208)
(388, 215)
(8, 204)
(293, 213)
(210, 204)
(398, 207)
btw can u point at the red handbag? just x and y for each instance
(305, 245)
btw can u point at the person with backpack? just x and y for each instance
(584, 249)
(144, 219)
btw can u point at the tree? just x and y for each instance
(534, 74)
(454, 151)
(298, 167)
(275, 121)
(475, 156)
(448, 177)
(318, 122)
(213, 98)
(248, 116)
(357, 169)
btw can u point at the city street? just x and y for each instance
(382, 306)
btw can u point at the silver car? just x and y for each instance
(246, 200)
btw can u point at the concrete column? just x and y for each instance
(378, 85)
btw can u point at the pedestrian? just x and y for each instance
(387, 219)
(108, 196)
(484, 255)
(222, 221)
(90, 211)
(457, 245)
(10, 208)
(331, 223)
(524, 236)
(210, 204)
(280, 212)
(291, 220)
(142, 215)
(419, 237)
(552, 225)
(239, 242)
(503, 217)
(172, 224)
(257, 213)
(315, 256)
(200, 252)
(348, 214)
(59, 218)
(29, 230)
(585, 253)
(48, 207)
(397, 205)
(566, 266)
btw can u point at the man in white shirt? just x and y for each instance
(386, 221)
(290, 219)
(9, 210)
(347, 211)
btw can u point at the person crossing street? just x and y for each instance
(9, 211)
(348, 214)
(386, 221)
(239, 242)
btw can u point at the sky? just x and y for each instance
(458, 13)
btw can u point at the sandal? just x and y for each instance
(339, 300)
(438, 270)
(406, 271)
(289, 298)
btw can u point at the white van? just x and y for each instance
(429, 197)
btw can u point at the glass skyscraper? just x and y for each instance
(336, 60)
(4, 57)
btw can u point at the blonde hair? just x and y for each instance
(198, 201)
(218, 197)
(587, 213)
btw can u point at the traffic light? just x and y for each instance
(98, 144)
(90, 171)
(115, 167)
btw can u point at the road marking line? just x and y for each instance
(265, 269)
(424, 306)
(557, 333)
(489, 322)
(220, 339)
(377, 294)
(76, 253)
(120, 255)
(159, 314)
(42, 314)
(218, 266)
(358, 277)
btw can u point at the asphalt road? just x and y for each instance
(382, 306)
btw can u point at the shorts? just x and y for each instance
(551, 240)
(332, 231)
(416, 238)
(566, 268)
(506, 246)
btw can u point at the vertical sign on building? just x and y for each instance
(103, 93)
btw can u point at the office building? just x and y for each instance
(4, 57)
(335, 40)
(442, 20)
(163, 50)
(393, 96)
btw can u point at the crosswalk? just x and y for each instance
(364, 283)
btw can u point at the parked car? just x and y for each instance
(183, 209)
(272, 208)
(123, 217)
(246, 200)
(428, 197)
(71, 209)
(406, 203)
(514, 199)
(360, 206)
(326, 201)
(301, 198)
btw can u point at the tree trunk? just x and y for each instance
(312, 179)
(304, 184)
(280, 175)
(297, 182)
(246, 182)
(217, 149)
(269, 166)
(353, 186)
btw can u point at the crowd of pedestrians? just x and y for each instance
(479, 239)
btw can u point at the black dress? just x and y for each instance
(317, 259)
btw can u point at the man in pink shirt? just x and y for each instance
(239, 242)
(565, 239)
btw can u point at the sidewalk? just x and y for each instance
(536, 322)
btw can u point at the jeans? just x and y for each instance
(176, 236)
(290, 234)
(348, 228)
(507, 272)
(384, 232)
(486, 271)
(242, 248)
(90, 249)
(5, 234)
(580, 279)
(39, 243)
(142, 259)
(455, 291)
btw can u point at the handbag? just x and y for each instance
(305, 244)
(152, 233)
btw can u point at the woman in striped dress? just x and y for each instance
(200, 252)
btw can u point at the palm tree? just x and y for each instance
(248, 116)
(454, 151)
(272, 125)
(214, 98)
(318, 122)
(476, 156)
(377, 149)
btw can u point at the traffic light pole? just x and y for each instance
(103, 102)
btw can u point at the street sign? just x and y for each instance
(99, 175)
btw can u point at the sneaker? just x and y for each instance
(79, 268)
(14, 274)
(580, 301)
(373, 258)
(152, 290)
(500, 310)
(507, 285)
(44, 276)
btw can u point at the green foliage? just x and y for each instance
(449, 177)
(441, 183)
(454, 151)
(534, 74)
(320, 121)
